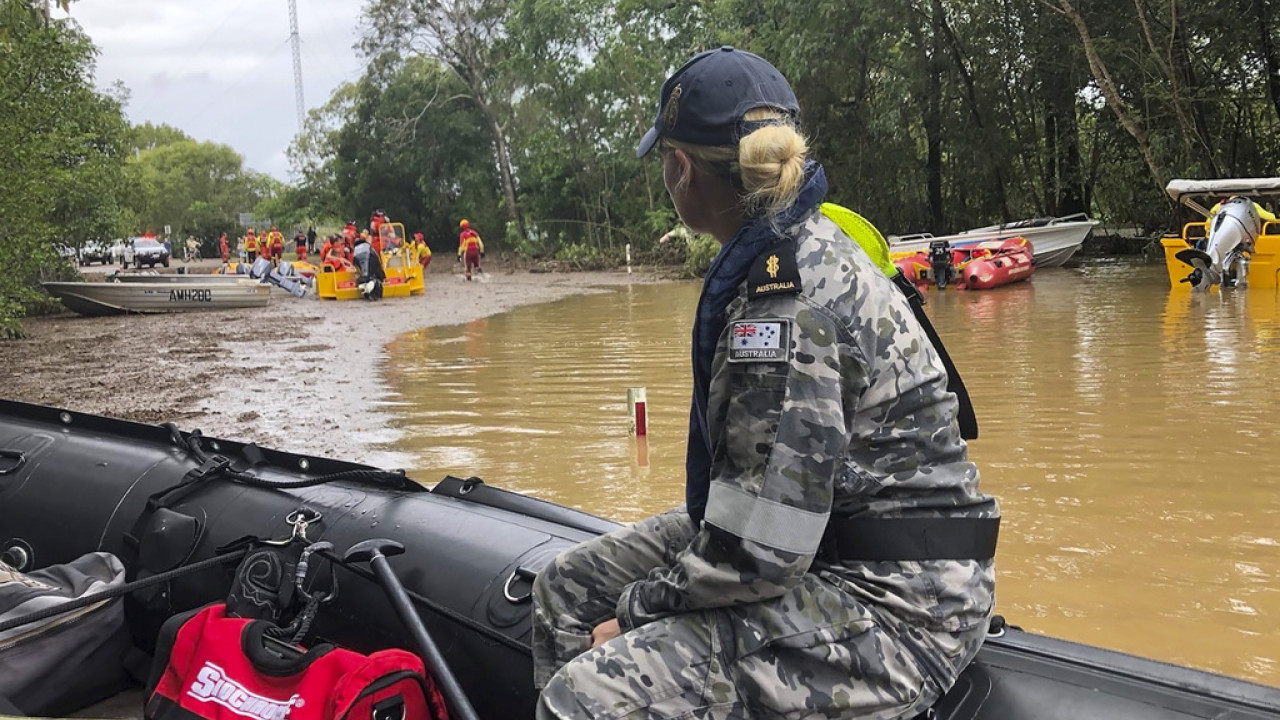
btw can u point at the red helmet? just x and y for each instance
(417, 236)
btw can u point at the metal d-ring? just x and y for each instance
(19, 459)
(506, 587)
(299, 519)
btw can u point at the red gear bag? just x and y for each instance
(220, 668)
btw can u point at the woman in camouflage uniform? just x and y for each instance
(834, 557)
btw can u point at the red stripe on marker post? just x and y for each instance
(638, 409)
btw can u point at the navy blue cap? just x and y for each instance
(703, 102)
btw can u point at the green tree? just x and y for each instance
(195, 188)
(364, 150)
(927, 114)
(61, 153)
(467, 37)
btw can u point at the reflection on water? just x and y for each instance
(1129, 432)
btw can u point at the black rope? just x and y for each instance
(439, 609)
(390, 478)
(115, 592)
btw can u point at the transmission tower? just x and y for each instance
(297, 62)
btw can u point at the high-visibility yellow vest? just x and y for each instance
(864, 233)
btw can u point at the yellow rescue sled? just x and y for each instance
(404, 276)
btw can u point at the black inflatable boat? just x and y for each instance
(71, 483)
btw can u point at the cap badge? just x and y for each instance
(672, 111)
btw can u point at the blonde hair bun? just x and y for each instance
(771, 166)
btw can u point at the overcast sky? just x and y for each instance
(223, 71)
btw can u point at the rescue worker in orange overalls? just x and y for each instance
(277, 245)
(300, 246)
(226, 251)
(334, 253)
(264, 246)
(421, 250)
(375, 229)
(471, 247)
(251, 245)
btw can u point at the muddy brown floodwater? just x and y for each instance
(300, 375)
(1129, 433)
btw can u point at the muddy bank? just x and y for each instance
(302, 375)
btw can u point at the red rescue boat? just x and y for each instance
(914, 267)
(998, 262)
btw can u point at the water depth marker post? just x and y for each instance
(638, 410)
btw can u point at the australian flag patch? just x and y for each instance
(759, 340)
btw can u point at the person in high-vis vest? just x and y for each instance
(335, 253)
(421, 251)
(251, 246)
(277, 245)
(470, 247)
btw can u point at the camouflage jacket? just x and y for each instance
(824, 398)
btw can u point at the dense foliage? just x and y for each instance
(522, 116)
(929, 115)
(194, 188)
(61, 153)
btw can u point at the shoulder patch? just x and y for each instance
(760, 340)
(774, 272)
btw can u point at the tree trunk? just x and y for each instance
(1181, 63)
(933, 128)
(508, 178)
(943, 29)
(1071, 196)
(1112, 95)
(1268, 48)
(1051, 154)
(1064, 181)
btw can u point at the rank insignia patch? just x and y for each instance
(759, 341)
(774, 272)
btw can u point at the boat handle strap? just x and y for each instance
(19, 459)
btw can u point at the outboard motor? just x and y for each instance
(260, 269)
(1231, 235)
(940, 262)
(371, 275)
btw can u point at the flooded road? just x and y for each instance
(1130, 433)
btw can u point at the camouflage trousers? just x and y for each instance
(815, 652)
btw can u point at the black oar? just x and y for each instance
(375, 552)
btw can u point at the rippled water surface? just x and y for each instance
(1130, 433)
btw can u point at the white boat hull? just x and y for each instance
(1052, 245)
(111, 298)
(195, 280)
